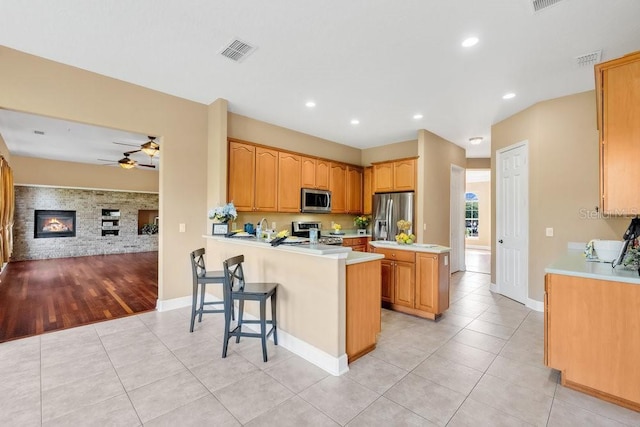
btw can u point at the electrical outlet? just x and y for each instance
(424, 226)
(273, 225)
(549, 232)
(183, 228)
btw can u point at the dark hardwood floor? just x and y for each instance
(48, 295)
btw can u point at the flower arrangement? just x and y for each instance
(223, 213)
(361, 221)
(336, 227)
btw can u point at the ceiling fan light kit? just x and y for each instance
(151, 147)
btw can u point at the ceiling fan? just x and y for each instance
(150, 148)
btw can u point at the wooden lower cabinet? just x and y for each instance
(359, 244)
(592, 336)
(415, 282)
(387, 284)
(363, 308)
(432, 289)
(405, 283)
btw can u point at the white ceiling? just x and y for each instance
(379, 61)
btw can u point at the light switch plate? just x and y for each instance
(183, 228)
(549, 232)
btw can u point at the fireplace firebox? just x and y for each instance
(54, 224)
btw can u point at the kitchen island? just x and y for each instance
(592, 328)
(415, 278)
(328, 298)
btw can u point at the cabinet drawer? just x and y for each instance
(397, 255)
(354, 241)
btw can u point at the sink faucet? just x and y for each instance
(262, 229)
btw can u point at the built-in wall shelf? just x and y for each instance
(110, 222)
(148, 217)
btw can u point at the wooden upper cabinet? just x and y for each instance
(241, 176)
(354, 190)
(618, 102)
(314, 173)
(383, 177)
(398, 175)
(367, 191)
(404, 175)
(307, 172)
(323, 172)
(289, 171)
(338, 187)
(266, 180)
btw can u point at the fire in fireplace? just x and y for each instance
(54, 224)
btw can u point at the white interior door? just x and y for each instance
(512, 221)
(457, 225)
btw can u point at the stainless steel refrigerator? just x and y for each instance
(388, 209)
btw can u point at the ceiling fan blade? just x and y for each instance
(131, 152)
(147, 165)
(125, 144)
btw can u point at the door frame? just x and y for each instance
(524, 218)
(457, 216)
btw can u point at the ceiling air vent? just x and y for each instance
(237, 50)
(538, 5)
(589, 58)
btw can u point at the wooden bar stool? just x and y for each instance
(235, 289)
(200, 279)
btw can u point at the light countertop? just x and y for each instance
(575, 264)
(322, 250)
(416, 247)
(355, 257)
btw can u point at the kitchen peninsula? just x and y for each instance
(328, 298)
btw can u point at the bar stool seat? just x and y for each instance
(201, 277)
(235, 289)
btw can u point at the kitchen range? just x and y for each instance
(305, 228)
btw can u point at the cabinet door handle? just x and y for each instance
(500, 241)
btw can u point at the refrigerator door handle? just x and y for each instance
(389, 210)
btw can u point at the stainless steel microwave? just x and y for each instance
(315, 201)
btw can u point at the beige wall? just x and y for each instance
(33, 171)
(563, 179)
(483, 191)
(36, 85)
(397, 150)
(479, 163)
(434, 186)
(4, 151)
(259, 132)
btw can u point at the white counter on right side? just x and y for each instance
(575, 264)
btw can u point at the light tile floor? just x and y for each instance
(481, 364)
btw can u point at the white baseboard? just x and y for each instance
(494, 288)
(486, 248)
(333, 365)
(535, 305)
(531, 303)
(172, 304)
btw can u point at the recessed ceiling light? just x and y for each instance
(417, 116)
(355, 121)
(509, 95)
(310, 104)
(470, 41)
(475, 140)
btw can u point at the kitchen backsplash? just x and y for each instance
(284, 220)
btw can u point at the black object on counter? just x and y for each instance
(278, 240)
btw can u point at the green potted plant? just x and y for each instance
(361, 222)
